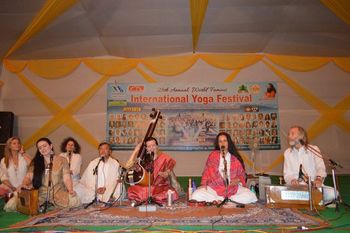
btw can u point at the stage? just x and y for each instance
(177, 215)
(180, 217)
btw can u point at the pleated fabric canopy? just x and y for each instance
(39, 29)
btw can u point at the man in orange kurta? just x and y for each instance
(163, 165)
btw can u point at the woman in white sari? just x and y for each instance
(70, 149)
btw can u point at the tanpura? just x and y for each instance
(138, 172)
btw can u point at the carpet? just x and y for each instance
(179, 214)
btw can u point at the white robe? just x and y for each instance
(14, 175)
(205, 193)
(312, 165)
(108, 174)
(75, 165)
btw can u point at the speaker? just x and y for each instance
(6, 126)
(2, 151)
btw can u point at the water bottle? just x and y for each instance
(170, 197)
(194, 186)
(189, 191)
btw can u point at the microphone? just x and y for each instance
(148, 160)
(225, 166)
(301, 174)
(95, 170)
(297, 142)
(334, 163)
(51, 155)
(69, 157)
(222, 148)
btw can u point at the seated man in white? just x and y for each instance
(302, 153)
(107, 177)
(213, 186)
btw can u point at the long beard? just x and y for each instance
(292, 143)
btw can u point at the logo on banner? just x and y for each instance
(118, 89)
(136, 88)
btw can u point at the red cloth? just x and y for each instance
(212, 177)
(160, 185)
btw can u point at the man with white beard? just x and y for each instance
(301, 157)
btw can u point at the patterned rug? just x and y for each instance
(179, 214)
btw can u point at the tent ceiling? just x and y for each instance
(143, 28)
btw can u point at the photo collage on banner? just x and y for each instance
(193, 114)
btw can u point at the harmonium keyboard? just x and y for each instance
(293, 197)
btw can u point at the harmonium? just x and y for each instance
(278, 196)
(27, 202)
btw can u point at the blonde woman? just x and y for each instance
(14, 165)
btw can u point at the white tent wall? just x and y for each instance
(329, 83)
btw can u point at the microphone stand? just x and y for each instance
(120, 181)
(47, 204)
(303, 178)
(69, 158)
(310, 193)
(332, 164)
(226, 181)
(95, 173)
(149, 169)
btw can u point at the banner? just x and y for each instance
(193, 114)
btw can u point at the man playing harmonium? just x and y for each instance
(213, 186)
(302, 159)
